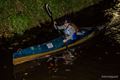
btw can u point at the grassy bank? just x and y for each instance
(16, 16)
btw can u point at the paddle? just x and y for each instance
(49, 12)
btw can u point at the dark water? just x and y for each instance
(99, 56)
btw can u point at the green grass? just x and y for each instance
(16, 16)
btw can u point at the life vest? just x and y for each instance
(69, 30)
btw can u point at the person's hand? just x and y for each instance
(55, 26)
(64, 41)
(55, 22)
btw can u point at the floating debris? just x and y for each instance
(106, 53)
(14, 44)
(67, 70)
(38, 63)
(11, 48)
(81, 51)
(26, 74)
(117, 53)
(32, 48)
(31, 67)
(4, 66)
(24, 40)
(58, 77)
(56, 70)
(23, 79)
(100, 58)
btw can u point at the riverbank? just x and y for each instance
(17, 16)
(113, 28)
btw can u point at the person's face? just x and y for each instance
(66, 23)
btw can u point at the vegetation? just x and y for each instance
(113, 28)
(16, 16)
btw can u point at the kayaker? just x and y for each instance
(69, 29)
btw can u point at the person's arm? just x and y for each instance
(58, 27)
(67, 38)
(55, 25)
(75, 27)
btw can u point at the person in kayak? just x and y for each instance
(69, 29)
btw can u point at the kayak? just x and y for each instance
(51, 47)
